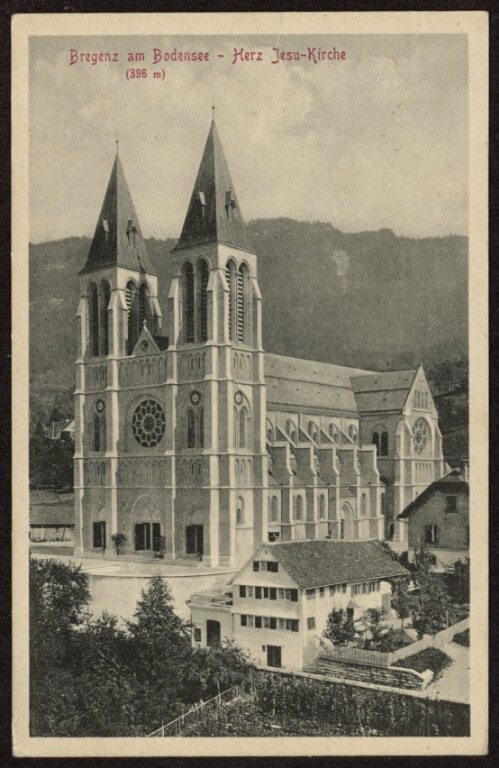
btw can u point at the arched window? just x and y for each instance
(352, 433)
(93, 316)
(191, 429)
(203, 276)
(145, 312)
(298, 507)
(242, 299)
(322, 507)
(188, 301)
(383, 504)
(376, 441)
(133, 316)
(313, 431)
(240, 511)
(274, 512)
(99, 433)
(291, 430)
(242, 428)
(201, 428)
(333, 432)
(230, 275)
(363, 505)
(105, 298)
(384, 444)
(391, 531)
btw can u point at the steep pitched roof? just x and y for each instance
(320, 562)
(292, 381)
(118, 238)
(213, 215)
(387, 391)
(453, 482)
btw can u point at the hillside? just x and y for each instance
(370, 299)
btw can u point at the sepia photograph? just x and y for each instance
(252, 258)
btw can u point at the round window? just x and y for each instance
(148, 423)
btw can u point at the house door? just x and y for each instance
(274, 656)
(213, 632)
(99, 535)
(142, 536)
(194, 539)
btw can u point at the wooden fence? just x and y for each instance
(175, 727)
(381, 659)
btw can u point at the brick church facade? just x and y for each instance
(190, 438)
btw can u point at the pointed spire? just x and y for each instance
(213, 215)
(118, 238)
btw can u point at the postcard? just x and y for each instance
(250, 376)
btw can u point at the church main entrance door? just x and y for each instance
(194, 539)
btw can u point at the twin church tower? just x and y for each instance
(191, 441)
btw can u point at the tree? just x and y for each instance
(212, 670)
(58, 597)
(423, 560)
(160, 648)
(459, 582)
(401, 599)
(340, 629)
(430, 612)
(374, 619)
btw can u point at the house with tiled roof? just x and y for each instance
(51, 516)
(277, 604)
(439, 519)
(190, 434)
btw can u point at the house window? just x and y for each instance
(197, 634)
(244, 620)
(273, 593)
(272, 567)
(250, 621)
(332, 591)
(266, 592)
(310, 594)
(258, 622)
(294, 595)
(321, 591)
(344, 588)
(451, 504)
(311, 622)
(256, 565)
(249, 591)
(282, 623)
(431, 534)
(242, 591)
(258, 593)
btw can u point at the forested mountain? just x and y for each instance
(370, 299)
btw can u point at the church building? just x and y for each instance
(190, 439)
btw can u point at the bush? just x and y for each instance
(462, 638)
(430, 658)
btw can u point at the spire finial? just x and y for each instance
(117, 142)
(213, 110)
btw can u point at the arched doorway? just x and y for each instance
(346, 522)
(213, 632)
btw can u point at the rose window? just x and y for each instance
(148, 423)
(421, 434)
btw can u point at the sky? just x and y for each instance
(378, 140)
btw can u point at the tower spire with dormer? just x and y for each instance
(118, 238)
(214, 214)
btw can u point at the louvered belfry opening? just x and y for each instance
(188, 300)
(240, 304)
(105, 298)
(203, 276)
(93, 315)
(133, 316)
(230, 274)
